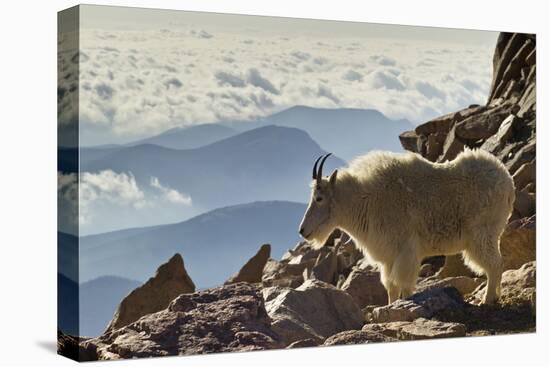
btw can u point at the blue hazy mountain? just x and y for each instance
(189, 137)
(266, 163)
(346, 132)
(214, 245)
(67, 305)
(99, 299)
(67, 255)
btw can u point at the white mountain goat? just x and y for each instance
(401, 208)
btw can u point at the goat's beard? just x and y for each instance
(320, 237)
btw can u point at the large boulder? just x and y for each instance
(170, 280)
(365, 288)
(424, 304)
(252, 271)
(483, 125)
(225, 319)
(464, 285)
(314, 310)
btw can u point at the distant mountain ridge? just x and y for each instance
(266, 163)
(189, 137)
(214, 245)
(346, 132)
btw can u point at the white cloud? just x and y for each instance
(139, 83)
(108, 189)
(171, 195)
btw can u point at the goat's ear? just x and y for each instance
(332, 178)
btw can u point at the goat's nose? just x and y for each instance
(302, 230)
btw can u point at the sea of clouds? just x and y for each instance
(138, 83)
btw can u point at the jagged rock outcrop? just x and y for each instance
(225, 319)
(252, 271)
(170, 280)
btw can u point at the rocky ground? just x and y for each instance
(332, 295)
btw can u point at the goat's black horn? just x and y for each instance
(320, 172)
(314, 176)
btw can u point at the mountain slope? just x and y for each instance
(214, 245)
(190, 137)
(346, 132)
(99, 299)
(267, 163)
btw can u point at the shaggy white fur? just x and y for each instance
(401, 208)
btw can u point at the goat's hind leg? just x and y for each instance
(483, 255)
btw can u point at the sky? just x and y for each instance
(145, 71)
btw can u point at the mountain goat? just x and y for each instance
(401, 208)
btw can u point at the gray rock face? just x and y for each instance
(170, 280)
(365, 288)
(252, 271)
(224, 319)
(315, 310)
(424, 304)
(357, 337)
(420, 328)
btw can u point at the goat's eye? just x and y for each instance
(318, 199)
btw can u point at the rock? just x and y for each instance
(225, 319)
(426, 270)
(525, 154)
(357, 337)
(518, 242)
(434, 146)
(365, 288)
(443, 124)
(304, 343)
(170, 280)
(502, 60)
(482, 125)
(409, 141)
(252, 271)
(454, 267)
(525, 174)
(423, 304)
(314, 310)
(347, 257)
(464, 285)
(422, 328)
(524, 205)
(513, 68)
(69, 346)
(284, 274)
(325, 268)
(451, 147)
(502, 136)
(518, 287)
(440, 124)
